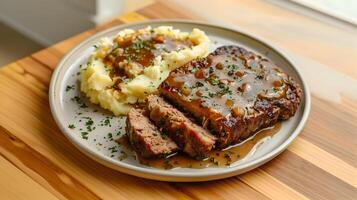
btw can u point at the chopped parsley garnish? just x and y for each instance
(89, 63)
(211, 70)
(107, 68)
(76, 99)
(151, 84)
(71, 126)
(232, 66)
(107, 122)
(110, 136)
(199, 84)
(84, 135)
(118, 133)
(69, 87)
(259, 77)
(161, 121)
(140, 44)
(83, 105)
(89, 122)
(113, 149)
(215, 81)
(230, 72)
(194, 70)
(225, 90)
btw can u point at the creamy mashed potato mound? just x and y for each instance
(126, 68)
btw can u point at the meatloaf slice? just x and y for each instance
(191, 138)
(145, 138)
(233, 92)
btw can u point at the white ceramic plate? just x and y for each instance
(100, 143)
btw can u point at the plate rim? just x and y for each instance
(158, 174)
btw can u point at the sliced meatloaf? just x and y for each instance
(233, 92)
(191, 138)
(145, 137)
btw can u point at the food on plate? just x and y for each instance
(231, 94)
(126, 68)
(191, 138)
(145, 137)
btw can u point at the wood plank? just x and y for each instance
(231, 188)
(39, 168)
(16, 185)
(40, 72)
(49, 57)
(332, 127)
(323, 160)
(270, 186)
(132, 17)
(308, 179)
(163, 11)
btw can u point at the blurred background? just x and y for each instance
(31, 25)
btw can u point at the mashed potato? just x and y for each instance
(124, 69)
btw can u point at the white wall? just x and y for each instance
(50, 21)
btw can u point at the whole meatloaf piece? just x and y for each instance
(233, 92)
(191, 138)
(145, 138)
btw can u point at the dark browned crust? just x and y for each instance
(230, 130)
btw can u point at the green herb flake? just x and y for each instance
(110, 136)
(107, 122)
(84, 135)
(194, 70)
(69, 87)
(151, 84)
(199, 84)
(211, 70)
(259, 77)
(113, 149)
(71, 126)
(161, 121)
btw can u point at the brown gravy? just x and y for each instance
(140, 50)
(217, 158)
(230, 84)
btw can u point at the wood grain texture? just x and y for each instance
(36, 157)
(16, 185)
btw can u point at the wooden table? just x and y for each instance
(38, 162)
